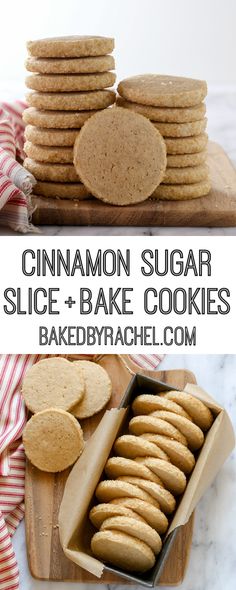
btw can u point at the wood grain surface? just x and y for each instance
(43, 493)
(218, 209)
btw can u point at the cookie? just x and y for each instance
(53, 155)
(52, 172)
(136, 529)
(110, 489)
(73, 46)
(181, 129)
(152, 515)
(52, 383)
(165, 114)
(102, 512)
(120, 156)
(164, 498)
(173, 478)
(117, 466)
(123, 551)
(147, 403)
(70, 83)
(182, 192)
(56, 119)
(200, 413)
(187, 175)
(58, 190)
(51, 137)
(192, 432)
(130, 446)
(53, 440)
(98, 389)
(179, 455)
(186, 145)
(80, 65)
(71, 101)
(185, 160)
(163, 91)
(142, 424)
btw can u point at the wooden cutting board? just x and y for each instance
(218, 209)
(43, 494)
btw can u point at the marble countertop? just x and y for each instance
(212, 558)
(221, 112)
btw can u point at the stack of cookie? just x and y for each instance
(58, 392)
(69, 82)
(176, 108)
(149, 471)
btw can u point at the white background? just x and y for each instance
(184, 37)
(215, 333)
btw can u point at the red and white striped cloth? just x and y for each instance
(12, 458)
(15, 182)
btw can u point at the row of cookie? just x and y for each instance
(69, 80)
(58, 392)
(143, 479)
(180, 118)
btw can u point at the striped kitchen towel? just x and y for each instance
(12, 458)
(15, 182)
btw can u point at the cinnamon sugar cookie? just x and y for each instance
(181, 129)
(134, 528)
(52, 383)
(53, 440)
(98, 389)
(71, 101)
(56, 119)
(51, 137)
(200, 413)
(120, 156)
(182, 192)
(123, 551)
(53, 155)
(52, 172)
(165, 114)
(153, 515)
(70, 82)
(179, 455)
(187, 175)
(186, 145)
(71, 65)
(101, 512)
(140, 424)
(185, 160)
(163, 91)
(71, 46)
(58, 190)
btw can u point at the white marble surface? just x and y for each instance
(212, 561)
(221, 111)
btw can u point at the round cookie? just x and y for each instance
(52, 383)
(182, 192)
(110, 489)
(117, 466)
(185, 160)
(200, 413)
(52, 172)
(70, 46)
(141, 424)
(181, 129)
(71, 101)
(153, 516)
(187, 175)
(120, 156)
(70, 83)
(139, 530)
(56, 119)
(165, 114)
(147, 403)
(173, 478)
(123, 551)
(80, 65)
(53, 440)
(51, 137)
(53, 155)
(192, 432)
(101, 512)
(98, 389)
(58, 190)
(179, 455)
(186, 145)
(164, 498)
(163, 91)
(130, 446)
